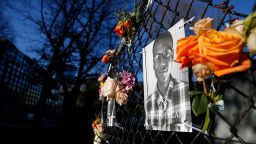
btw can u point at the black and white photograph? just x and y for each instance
(166, 86)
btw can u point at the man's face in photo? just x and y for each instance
(162, 53)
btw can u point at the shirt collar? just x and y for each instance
(162, 98)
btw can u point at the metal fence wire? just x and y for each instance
(234, 125)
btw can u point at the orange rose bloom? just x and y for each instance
(221, 51)
(105, 59)
(119, 29)
(184, 46)
(127, 24)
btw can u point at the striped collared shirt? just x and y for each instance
(169, 112)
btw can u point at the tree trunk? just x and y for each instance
(41, 106)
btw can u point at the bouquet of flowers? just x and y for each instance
(127, 26)
(118, 88)
(211, 54)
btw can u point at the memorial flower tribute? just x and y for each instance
(118, 87)
(213, 54)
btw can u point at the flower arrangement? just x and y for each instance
(117, 88)
(212, 54)
(127, 25)
(220, 50)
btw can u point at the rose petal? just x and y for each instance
(109, 88)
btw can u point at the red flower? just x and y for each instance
(127, 24)
(119, 29)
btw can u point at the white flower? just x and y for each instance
(251, 42)
(109, 88)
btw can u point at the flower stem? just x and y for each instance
(205, 88)
(207, 121)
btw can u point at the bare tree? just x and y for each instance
(6, 30)
(77, 33)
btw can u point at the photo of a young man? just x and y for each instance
(167, 107)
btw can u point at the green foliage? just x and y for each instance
(207, 121)
(250, 23)
(200, 104)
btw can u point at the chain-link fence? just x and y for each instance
(234, 125)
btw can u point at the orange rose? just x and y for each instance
(105, 59)
(110, 54)
(202, 25)
(221, 51)
(184, 46)
(119, 29)
(127, 24)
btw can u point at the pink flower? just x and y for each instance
(127, 80)
(109, 88)
(121, 98)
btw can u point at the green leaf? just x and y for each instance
(218, 97)
(195, 92)
(200, 105)
(207, 121)
(249, 23)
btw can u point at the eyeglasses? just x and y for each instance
(165, 55)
